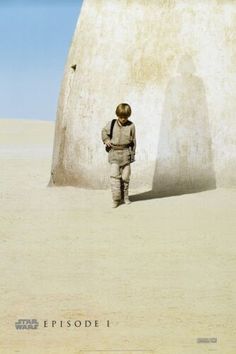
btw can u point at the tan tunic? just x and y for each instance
(122, 135)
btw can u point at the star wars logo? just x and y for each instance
(27, 324)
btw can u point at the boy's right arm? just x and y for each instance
(105, 134)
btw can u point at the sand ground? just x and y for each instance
(162, 271)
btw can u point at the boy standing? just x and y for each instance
(119, 138)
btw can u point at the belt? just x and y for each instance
(120, 147)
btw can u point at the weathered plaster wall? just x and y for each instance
(174, 62)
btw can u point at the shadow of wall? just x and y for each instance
(184, 161)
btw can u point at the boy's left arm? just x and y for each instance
(133, 150)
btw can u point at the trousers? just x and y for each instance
(119, 177)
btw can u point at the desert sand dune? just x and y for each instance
(162, 271)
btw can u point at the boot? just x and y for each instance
(126, 192)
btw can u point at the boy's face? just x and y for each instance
(123, 120)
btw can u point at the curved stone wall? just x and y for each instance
(174, 62)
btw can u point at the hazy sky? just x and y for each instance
(35, 36)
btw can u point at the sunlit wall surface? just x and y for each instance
(174, 63)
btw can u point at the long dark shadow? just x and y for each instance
(157, 195)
